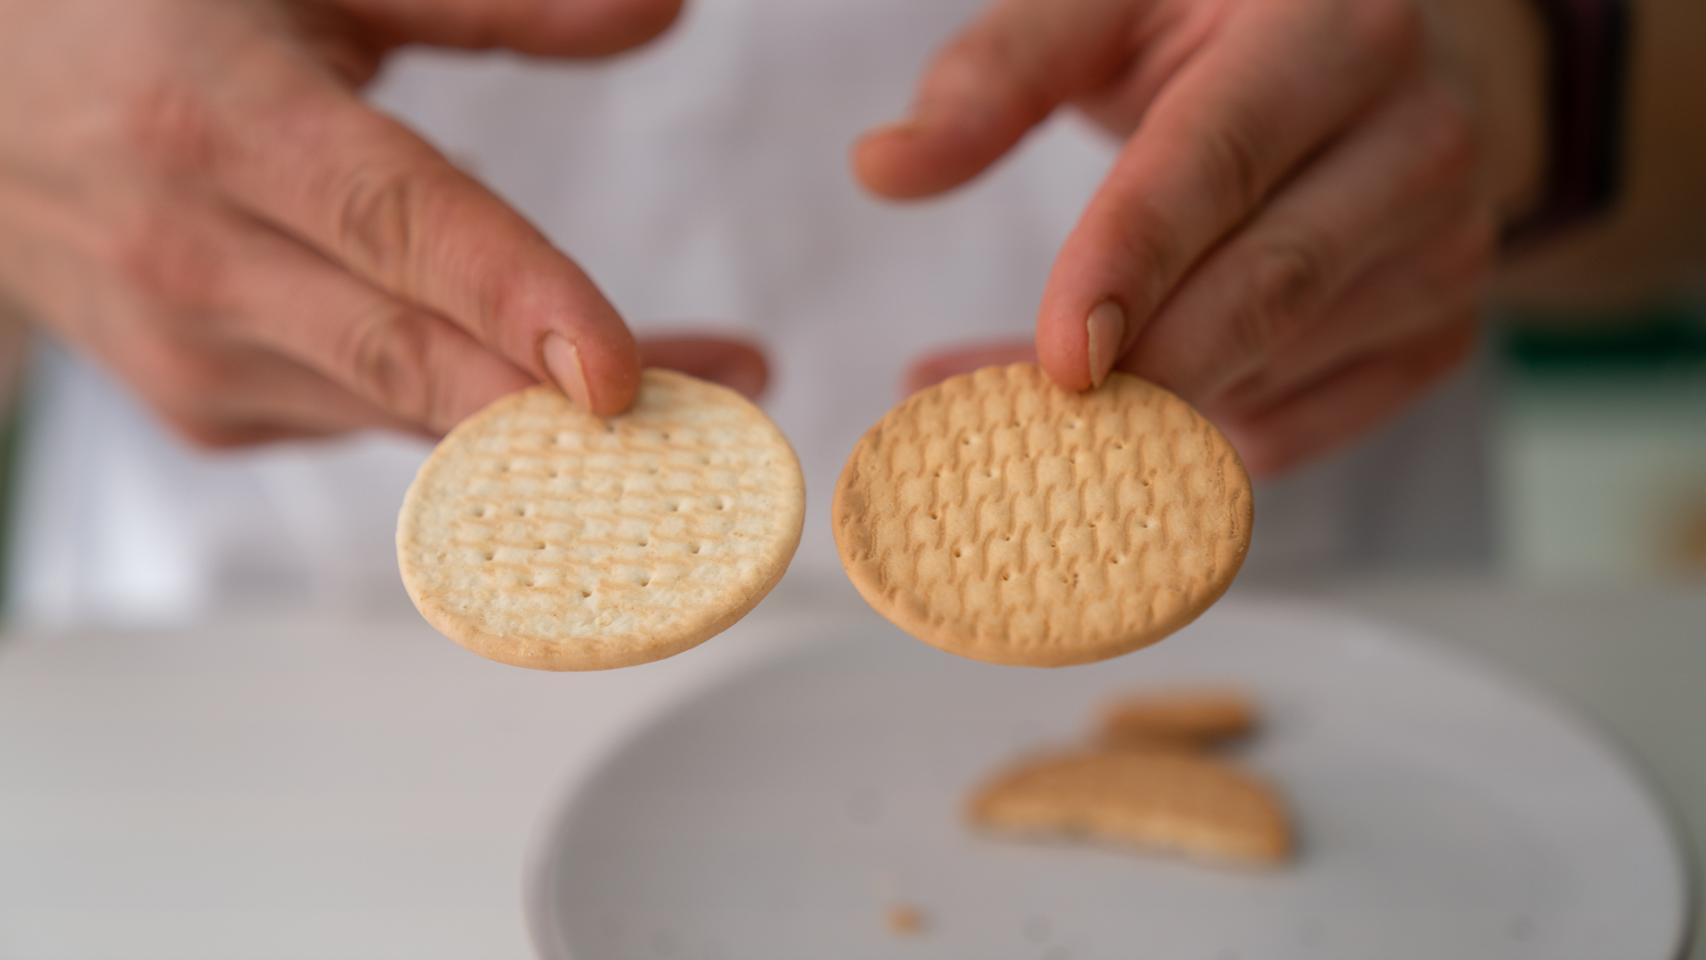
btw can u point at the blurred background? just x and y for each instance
(1600, 457)
(220, 714)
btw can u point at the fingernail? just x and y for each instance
(1106, 331)
(563, 363)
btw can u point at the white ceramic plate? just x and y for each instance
(1445, 811)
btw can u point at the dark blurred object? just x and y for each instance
(13, 348)
(1589, 71)
(9, 430)
(1669, 338)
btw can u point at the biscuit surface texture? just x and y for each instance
(1166, 801)
(541, 536)
(1002, 518)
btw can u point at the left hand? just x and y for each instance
(1296, 231)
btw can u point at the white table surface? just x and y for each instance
(276, 786)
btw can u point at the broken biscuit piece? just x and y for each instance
(1160, 800)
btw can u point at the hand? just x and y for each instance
(192, 193)
(1295, 233)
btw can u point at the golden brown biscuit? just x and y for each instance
(541, 536)
(1161, 800)
(1187, 716)
(1002, 518)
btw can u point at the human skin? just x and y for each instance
(193, 193)
(1299, 223)
(1299, 229)
(1297, 232)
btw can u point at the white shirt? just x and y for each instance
(703, 179)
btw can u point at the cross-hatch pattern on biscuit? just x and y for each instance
(610, 534)
(1027, 519)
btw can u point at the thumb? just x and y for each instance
(562, 28)
(989, 86)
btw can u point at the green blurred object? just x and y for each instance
(1664, 339)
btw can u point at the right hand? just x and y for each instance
(1296, 230)
(192, 193)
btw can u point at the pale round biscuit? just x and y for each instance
(541, 536)
(1002, 518)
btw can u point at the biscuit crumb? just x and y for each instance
(905, 920)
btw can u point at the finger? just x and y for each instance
(1272, 87)
(377, 199)
(216, 395)
(935, 367)
(402, 359)
(1346, 404)
(215, 437)
(1384, 188)
(1397, 301)
(269, 390)
(992, 84)
(735, 363)
(574, 28)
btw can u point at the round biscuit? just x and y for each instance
(542, 536)
(1002, 518)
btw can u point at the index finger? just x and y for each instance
(1273, 86)
(373, 196)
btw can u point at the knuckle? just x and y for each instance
(169, 124)
(166, 261)
(1289, 282)
(1232, 157)
(387, 357)
(982, 60)
(379, 217)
